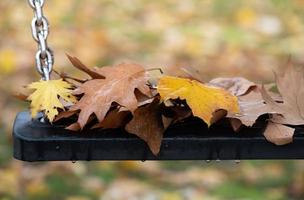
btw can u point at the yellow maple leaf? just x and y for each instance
(202, 99)
(46, 97)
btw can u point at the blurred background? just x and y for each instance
(217, 38)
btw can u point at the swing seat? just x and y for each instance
(190, 140)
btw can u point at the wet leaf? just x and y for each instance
(64, 115)
(148, 124)
(279, 134)
(202, 99)
(250, 100)
(114, 119)
(119, 86)
(237, 86)
(79, 65)
(252, 106)
(46, 97)
(290, 85)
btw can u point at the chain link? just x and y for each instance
(40, 29)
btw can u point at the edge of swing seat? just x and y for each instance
(191, 140)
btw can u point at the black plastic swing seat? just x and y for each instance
(190, 140)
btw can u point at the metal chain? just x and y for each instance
(40, 30)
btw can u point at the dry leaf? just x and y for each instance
(64, 76)
(74, 127)
(218, 115)
(118, 86)
(236, 124)
(184, 72)
(279, 134)
(79, 65)
(202, 99)
(114, 119)
(250, 100)
(191, 73)
(180, 113)
(237, 86)
(143, 99)
(252, 106)
(147, 124)
(290, 85)
(64, 115)
(46, 97)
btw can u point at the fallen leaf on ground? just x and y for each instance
(202, 99)
(46, 97)
(290, 85)
(279, 134)
(118, 86)
(148, 124)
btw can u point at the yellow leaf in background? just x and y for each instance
(171, 196)
(36, 189)
(46, 97)
(7, 61)
(246, 17)
(202, 99)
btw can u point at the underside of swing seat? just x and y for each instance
(190, 140)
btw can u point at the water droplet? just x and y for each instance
(42, 120)
(143, 160)
(218, 160)
(237, 161)
(208, 161)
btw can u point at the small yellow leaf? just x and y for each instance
(202, 99)
(46, 97)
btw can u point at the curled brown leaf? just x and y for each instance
(149, 124)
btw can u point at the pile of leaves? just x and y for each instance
(145, 104)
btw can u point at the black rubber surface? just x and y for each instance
(191, 140)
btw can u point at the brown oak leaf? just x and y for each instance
(79, 65)
(251, 102)
(279, 134)
(74, 127)
(64, 115)
(237, 86)
(290, 85)
(114, 119)
(252, 106)
(118, 87)
(149, 125)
